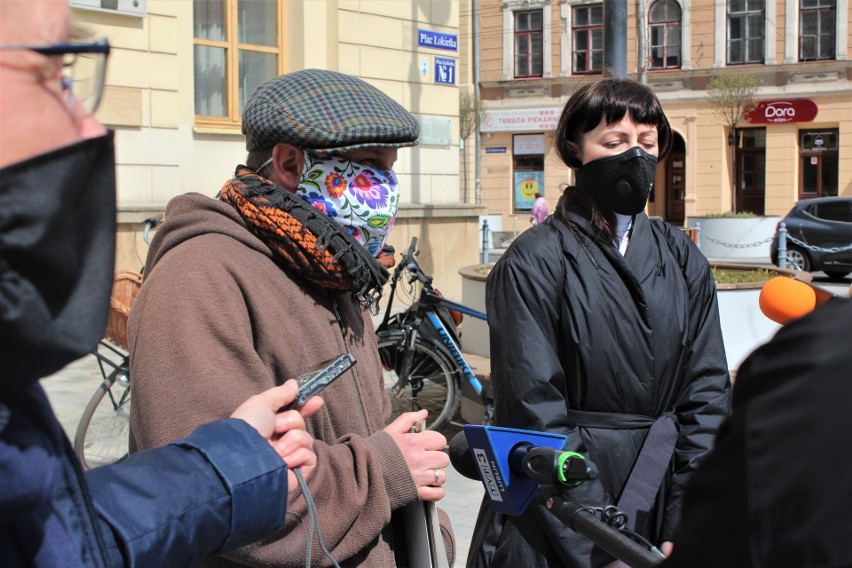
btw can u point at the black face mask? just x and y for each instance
(621, 183)
(57, 256)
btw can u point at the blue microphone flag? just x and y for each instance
(490, 446)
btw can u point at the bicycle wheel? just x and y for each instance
(432, 382)
(103, 433)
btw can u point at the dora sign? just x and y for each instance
(776, 112)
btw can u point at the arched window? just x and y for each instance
(664, 34)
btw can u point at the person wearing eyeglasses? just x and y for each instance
(224, 485)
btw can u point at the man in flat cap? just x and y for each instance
(276, 274)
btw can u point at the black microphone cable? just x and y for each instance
(313, 518)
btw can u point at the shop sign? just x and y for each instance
(528, 144)
(777, 112)
(520, 120)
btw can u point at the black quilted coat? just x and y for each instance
(576, 326)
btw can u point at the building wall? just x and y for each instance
(708, 157)
(161, 151)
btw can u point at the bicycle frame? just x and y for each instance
(447, 340)
(425, 309)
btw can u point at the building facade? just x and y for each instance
(180, 74)
(796, 144)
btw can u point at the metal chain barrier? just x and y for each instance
(817, 249)
(738, 246)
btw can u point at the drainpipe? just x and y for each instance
(640, 35)
(477, 149)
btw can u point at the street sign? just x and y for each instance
(445, 71)
(437, 40)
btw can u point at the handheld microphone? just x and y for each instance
(512, 463)
(511, 466)
(784, 299)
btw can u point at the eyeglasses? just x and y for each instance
(83, 70)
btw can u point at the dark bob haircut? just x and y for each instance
(609, 99)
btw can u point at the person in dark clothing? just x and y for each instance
(604, 326)
(224, 485)
(776, 489)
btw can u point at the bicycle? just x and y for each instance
(419, 349)
(103, 433)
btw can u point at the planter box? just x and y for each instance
(474, 337)
(732, 239)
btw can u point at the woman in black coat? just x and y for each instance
(604, 326)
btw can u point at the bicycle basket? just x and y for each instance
(125, 287)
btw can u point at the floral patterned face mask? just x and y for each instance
(363, 200)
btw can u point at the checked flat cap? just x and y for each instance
(324, 110)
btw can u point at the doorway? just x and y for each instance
(751, 170)
(675, 190)
(818, 159)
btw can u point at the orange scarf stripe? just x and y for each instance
(283, 227)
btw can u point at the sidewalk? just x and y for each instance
(70, 389)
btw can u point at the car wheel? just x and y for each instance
(797, 259)
(836, 274)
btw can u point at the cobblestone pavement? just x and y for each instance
(70, 389)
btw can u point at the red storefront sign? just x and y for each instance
(775, 112)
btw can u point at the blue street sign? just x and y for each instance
(437, 40)
(445, 71)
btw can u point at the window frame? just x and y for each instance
(666, 25)
(530, 51)
(588, 29)
(749, 34)
(819, 10)
(233, 47)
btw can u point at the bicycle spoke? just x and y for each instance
(430, 384)
(106, 434)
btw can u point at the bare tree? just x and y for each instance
(471, 114)
(732, 97)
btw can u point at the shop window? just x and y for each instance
(237, 45)
(746, 22)
(528, 44)
(587, 36)
(817, 22)
(664, 35)
(818, 161)
(527, 170)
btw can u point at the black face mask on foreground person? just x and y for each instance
(619, 183)
(57, 256)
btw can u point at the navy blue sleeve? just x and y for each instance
(220, 488)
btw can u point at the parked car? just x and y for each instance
(819, 236)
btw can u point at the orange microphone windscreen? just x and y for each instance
(783, 299)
